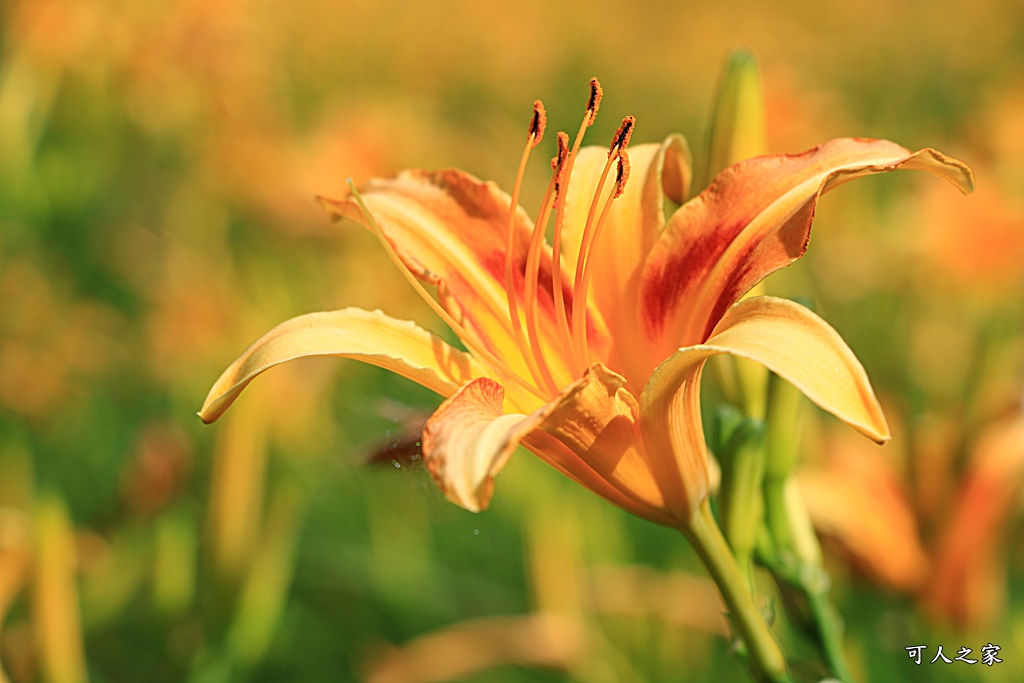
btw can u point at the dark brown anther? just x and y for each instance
(558, 163)
(537, 123)
(563, 147)
(622, 174)
(596, 93)
(621, 138)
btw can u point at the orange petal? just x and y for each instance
(858, 500)
(469, 439)
(968, 584)
(589, 433)
(449, 229)
(396, 345)
(784, 337)
(754, 219)
(636, 219)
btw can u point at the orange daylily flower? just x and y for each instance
(968, 584)
(589, 351)
(855, 497)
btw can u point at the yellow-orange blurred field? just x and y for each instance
(158, 164)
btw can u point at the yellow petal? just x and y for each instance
(633, 224)
(450, 230)
(589, 432)
(754, 219)
(372, 337)
(469, 439)
(784, 337)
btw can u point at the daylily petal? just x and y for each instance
(783, 336)
(450, 229)
(633, 224)
(754, 219)
(372, 337)
(469, 439)
(589, 432)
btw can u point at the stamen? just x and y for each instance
(471, 344)
(622, 135)
(532, 282)
(596, 93)
(558, 163)
(622, 176)
(561, 317)
(536, 132)
(591, 231)
(579, 321)
(538, 123)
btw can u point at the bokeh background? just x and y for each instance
(158, 163)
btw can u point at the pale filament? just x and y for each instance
(589, 238)
(579, 320)
(534, 137)
(533, 275)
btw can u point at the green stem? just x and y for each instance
(796, 557)
(830, 630)
(766, 660)
(795, 540)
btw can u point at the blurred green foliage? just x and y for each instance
(157, 166)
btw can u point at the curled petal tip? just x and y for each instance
(468, 440)
(786, 338)
(880, 433)
(334, 208)
(948, 168)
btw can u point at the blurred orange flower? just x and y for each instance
(991, 260)
(599, 376)
(858, 500)
(968, 584)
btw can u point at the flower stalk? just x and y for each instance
(766, 660)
